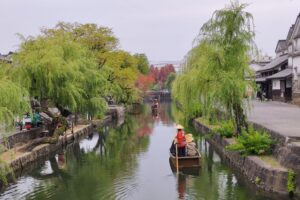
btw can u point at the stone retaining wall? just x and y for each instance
(117, 112)
(257, 171)
(23, 136)
(43, 151)
(286, 151)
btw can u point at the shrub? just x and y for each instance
(5, 171)
(226, 129)
(254, 142)
(291, 181)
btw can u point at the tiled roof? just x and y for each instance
(274, 63)
(281, 46)
(290, 33)
(262, 79)
(282, 74)
(296, 31)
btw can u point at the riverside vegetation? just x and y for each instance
(74, 67)
(217, 81)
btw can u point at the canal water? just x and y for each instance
(130, 160)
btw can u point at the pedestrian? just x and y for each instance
(36, 119)
(181, 142)
(259, 95)
(27, 121)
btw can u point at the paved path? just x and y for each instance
(280, 117)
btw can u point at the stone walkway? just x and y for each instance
(277, 116)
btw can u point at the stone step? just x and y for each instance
(295, 147)
(289, 156)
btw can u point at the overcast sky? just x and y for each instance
(163, 29)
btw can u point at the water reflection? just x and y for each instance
(130, 161)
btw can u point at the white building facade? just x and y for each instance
(294, 58)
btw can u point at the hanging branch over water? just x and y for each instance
(214, 79)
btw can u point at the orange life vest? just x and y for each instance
(180, 139)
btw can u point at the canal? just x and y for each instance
(130, 160)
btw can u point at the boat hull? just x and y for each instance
(186, 162)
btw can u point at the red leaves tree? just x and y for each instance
(144, 82)
(160, 74)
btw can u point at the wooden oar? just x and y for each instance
(177, 160)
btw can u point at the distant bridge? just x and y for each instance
(160, 95)
(177, 64)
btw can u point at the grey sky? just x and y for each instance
(163, 29)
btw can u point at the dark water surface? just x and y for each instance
(131, 161)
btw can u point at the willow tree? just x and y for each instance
(118, 67)
(60, 71)
(14, 99)
(217, 73)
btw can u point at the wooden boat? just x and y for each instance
(187, 161)
(154, 109)
(194, 171)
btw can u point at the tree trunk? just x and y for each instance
(76, 118)
(240, 118)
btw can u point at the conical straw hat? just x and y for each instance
(178, 126)
(189, 138)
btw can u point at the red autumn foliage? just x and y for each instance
(144, 82)
(157, 75)
(160, 74)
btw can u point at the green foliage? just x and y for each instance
(254, 142)
(13, 101)
(73, 66)
(257, 180)
(226, 129)
(59, 69)
(170, 79)
(119, 68)
(5, 172)
(122, 73)
(214, 76)
(291, 181)
(143, 63)
(156, 87)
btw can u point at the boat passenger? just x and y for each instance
(155, 104)
(190, 145)
(181, 142)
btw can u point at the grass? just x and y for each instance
(291, 182)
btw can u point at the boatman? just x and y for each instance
(181, 141)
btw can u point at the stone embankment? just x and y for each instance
(19, 160)
(22, 136)
(281, 121)
(266, 172)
